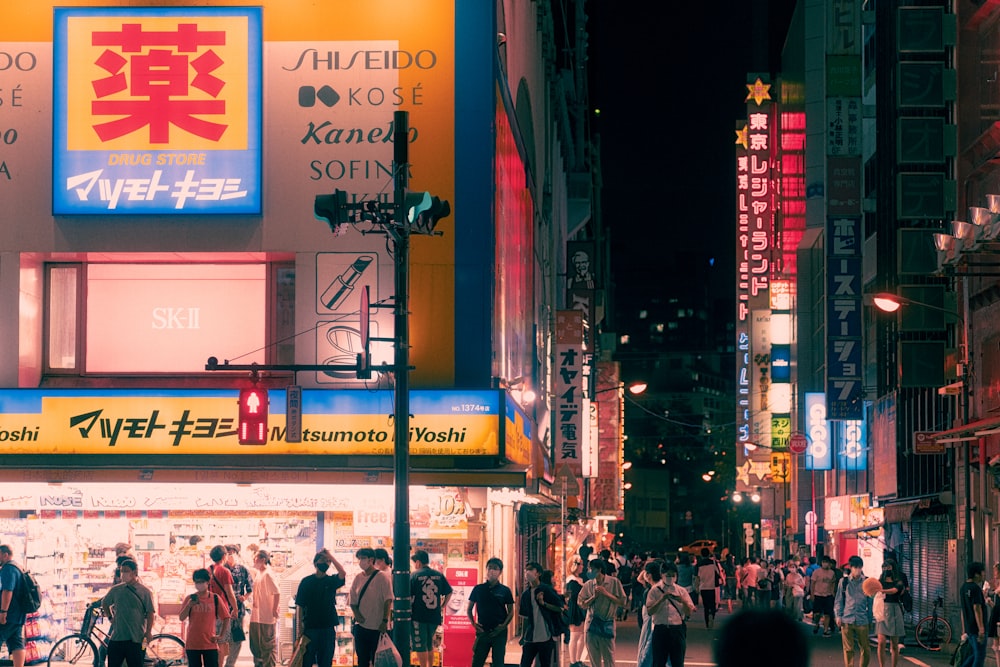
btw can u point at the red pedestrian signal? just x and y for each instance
(253, 417)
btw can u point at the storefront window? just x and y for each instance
(63, 315)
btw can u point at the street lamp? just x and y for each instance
(890, 303)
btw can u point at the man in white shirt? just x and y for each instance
(371, 603)
(601, 596)
(264, 612)
(669, 605)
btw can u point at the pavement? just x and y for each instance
(824, 651)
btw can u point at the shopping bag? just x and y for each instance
(386, 654)
(299, 654)
(878, 606)
(961, 653)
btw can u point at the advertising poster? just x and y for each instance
(459, 634)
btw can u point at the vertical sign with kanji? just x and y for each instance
(569, 384)
(157, 110)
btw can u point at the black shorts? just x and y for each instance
(823, 605)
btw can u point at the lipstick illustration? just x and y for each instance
(343, 285)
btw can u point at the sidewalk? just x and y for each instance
(824, 651)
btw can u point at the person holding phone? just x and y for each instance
(208, 620)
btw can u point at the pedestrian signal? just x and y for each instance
(253, 417)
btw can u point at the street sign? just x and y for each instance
(566, 482)
(925, 442)
(748, 540)
(781, 466)
(798, 443)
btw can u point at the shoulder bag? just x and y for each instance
(364, 588)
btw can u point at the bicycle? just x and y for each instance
(89, 646)
(933, 632)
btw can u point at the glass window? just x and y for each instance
(63, 313)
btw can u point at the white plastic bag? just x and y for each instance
(386, 654)
(878, 606)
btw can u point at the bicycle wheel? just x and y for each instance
(933, 633)
(73, 651)
(165, 651)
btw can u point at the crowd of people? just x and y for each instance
(662, 593)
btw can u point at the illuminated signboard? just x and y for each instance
(184, 422)
(569, 407)
(819, 452)
(742, 294)
(156, 111)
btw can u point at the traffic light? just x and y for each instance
(332, 209)
(253, 417)
(423, 211)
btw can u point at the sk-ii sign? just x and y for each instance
(156, 111)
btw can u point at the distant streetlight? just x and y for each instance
(637, 388)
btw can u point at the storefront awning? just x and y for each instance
(970, 431)
(900, 512)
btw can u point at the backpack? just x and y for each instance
(29, 597)
(906, 599)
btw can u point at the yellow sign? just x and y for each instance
(781, 467)
(178, 422)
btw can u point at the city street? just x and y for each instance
(825, 652)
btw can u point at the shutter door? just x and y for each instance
(925, 563)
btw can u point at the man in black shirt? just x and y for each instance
(316, 604)
(429, 592)
(494, 609)
(974, 614)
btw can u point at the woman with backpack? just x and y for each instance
(890, 629)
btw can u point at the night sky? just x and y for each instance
(670, 83)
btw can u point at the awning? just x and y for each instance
(900, 512)
(970, 431)
(864, 529)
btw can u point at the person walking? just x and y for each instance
(709, 576)
(853, 611)
(601, 596)
(12, 617)
(993, 605)
(890, 629)
(429, 593)
(537, 605)
(822, 586)
(371, 604)
(490, 610)
(974, 614)
(316, 609)
(729, 570)
(129, 605)
(242, 588)
(264, 612)
(749, 574)
(794, 592)
(206, 615)
(576, 638)
(669, 605)
(222, 585)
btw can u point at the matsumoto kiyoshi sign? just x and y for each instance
(157, 110)
(334, 422)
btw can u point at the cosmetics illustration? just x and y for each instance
(343, 285)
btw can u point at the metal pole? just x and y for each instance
(565, 559)
(401, 460)
(966, 395)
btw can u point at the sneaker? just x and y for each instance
(827, 633)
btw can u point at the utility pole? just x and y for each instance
(402, 610)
